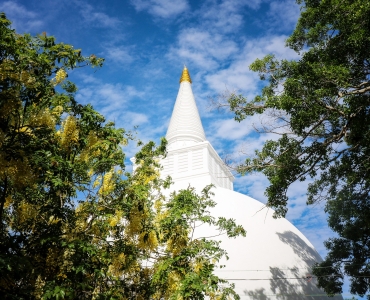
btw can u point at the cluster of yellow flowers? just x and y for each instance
(43, 118)
(135, 225)
(70, 133)
(26, 212)
(53, 220)
(148, 241)
(8, 201)
(97, 181)
(28, 80)
(18, 171)
(117, 264)
(57, 110)
(151, 173)
(27, 130)
(173, 283)
(108, 184)
(113, 221)
(90, 151)
(39, 285)
(178, 240)
(217, 296)
(53, 260)
(198, 265)
(60, 76)
(82, 217)
(12, 104)
(67, 261)
(7, 70)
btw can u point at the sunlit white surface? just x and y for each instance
(273, 261)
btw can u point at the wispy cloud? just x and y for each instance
(229, 129)
(23, 20)
(202, 48)
(224, 16)
(161, 8)
(110, 99)
(95, 18)
(118, 54)
(282, 15)
(237, 75)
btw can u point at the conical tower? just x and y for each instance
(185, 126)
(191, 159)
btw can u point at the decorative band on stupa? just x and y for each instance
(185, 76)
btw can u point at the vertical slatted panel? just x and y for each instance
(182, 163)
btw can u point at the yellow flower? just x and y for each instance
(26, 212)
(70, 132)
(96, 183)
(57, 110)
(90, 150)
(113, 221)
(53, 220)
(148, 240)
(60, 76)
(108, 184)
(197, 267)
(158, 204)
(26, 130)
(8, 201)
(117, 264)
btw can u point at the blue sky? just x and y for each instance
(147, 42)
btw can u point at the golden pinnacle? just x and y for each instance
(185, 76)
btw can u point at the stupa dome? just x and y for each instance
(274, 260)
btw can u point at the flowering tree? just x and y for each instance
(73, 224)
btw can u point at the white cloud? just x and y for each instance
(283, 15)
(118, 54)
(109, 99)
(161, 8)
(251, 143)
(113, 102)
(224, 16)
(96, 18)
(237, 75)
(23, 20)
(229, 129)
(87, 78)
(137, 118)
(202, 48)
(12, 7)
(253, 185)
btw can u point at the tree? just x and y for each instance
(73, 224)
(321, 105)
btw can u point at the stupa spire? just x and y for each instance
(185, 76)
(191, 159)
(185, 126)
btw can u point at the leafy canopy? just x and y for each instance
(321, 108)
(73, 224)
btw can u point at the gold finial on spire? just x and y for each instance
(185, 76)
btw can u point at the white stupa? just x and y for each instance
(274, 260)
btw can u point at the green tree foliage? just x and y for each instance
(74, 225)
(321, 105)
